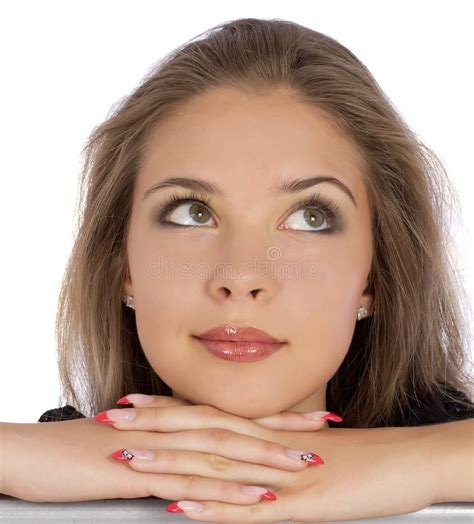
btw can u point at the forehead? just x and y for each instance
(244, 141)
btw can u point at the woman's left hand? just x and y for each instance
(367, 473)
(287, 420)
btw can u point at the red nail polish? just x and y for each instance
(174, 508)
(121, 454)
(268, 496)
(102, 417)
(312, 458)
(124, 400)
(332, 417)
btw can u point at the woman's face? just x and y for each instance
(251, 256)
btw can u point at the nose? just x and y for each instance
(253, 282)
(236, 292)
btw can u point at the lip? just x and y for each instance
(239, 343)
(233, 333)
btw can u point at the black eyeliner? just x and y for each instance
(173, 201)
(328, 206)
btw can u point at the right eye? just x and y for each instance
(182, 211)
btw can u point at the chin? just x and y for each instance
(247, 411)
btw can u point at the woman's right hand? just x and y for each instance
(70, 461)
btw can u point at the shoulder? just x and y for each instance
(448, 405)
(59, 414)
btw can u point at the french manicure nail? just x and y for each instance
(132, 453)
(310, 457)
(138, 398)
(263, 493)
(186, 505)
(322, 415)
(111, 416)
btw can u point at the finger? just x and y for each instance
(193, 463)
(140, 400)
(293, 421)
(173, 487)
(211, 439)
(215, 511)
(177, 418)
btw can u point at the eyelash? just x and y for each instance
(326, 204)
(174, 200)
(330, 208)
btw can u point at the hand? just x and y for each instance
(287, 420)
(206, 440)
(71, 461)
(367, 473)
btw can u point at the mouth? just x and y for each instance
(239, 343)
(232, 333)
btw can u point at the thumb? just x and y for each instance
(295, 421)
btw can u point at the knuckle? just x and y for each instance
(205, 410)
(229, 489)
(156, 414)
(219, 463)
(220, 436)
(164, 458)
(256, 511)
(270, 449)
(190, 485)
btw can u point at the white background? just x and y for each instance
(64, 64)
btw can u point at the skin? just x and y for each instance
(180, 277)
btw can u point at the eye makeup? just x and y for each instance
(331, 209)
(316, 201)
(175, 200)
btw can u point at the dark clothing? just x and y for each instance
(60, 414)
(436, 410)
(433, 410)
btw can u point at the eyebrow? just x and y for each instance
(288, 186)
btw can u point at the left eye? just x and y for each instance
(312, 218)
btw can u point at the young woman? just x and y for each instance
(261, 235)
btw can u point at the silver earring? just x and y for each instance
(128, 301)
(362, 313)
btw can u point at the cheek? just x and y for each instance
(162, 286)
(160, 316)
(324, 307)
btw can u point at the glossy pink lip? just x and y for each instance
(233, 333)
(244, 343)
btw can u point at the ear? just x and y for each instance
(367, 299)
(127, 284)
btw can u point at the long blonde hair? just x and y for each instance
(413, 346)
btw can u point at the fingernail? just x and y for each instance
(310, 457)
(184, 505)
(132, 453)
(322, 415)
(111, 416)
(263, 493)
(138, 398)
